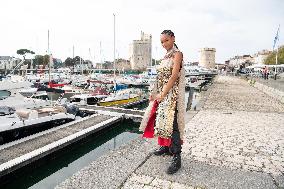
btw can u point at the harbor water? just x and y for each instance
(54, 169)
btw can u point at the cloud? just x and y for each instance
(232, 27)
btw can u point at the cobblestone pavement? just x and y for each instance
(239, 129)
(229, 93)
(148, 182)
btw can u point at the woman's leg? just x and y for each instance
(175, 148)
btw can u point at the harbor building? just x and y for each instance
(122, 64)
(245, 60)
(8, 63)
(260, 56)
(140, 52)
(207, 58)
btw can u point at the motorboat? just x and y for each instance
(14, 82)
(124, 96)
(91, 98)
(15, 122)
(28, 92)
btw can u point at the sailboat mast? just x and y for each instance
(101, 55)
(48, 52)
(114, 44)
(277, 38)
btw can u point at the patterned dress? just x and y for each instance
(173, 101)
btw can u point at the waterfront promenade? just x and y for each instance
(234, 140)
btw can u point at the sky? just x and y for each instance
(233, 27)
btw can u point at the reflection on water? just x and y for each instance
(55, 169)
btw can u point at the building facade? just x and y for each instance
(8, 62)
(248, 60)
(260, 56)
(122, 64)
(207, 58)
(141, 52)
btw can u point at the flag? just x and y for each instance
(276, 37)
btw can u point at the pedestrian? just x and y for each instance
(265, 72)
(168, 94)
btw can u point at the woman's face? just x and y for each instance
(167, 41)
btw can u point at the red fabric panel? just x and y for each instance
(164, 141)
(149, 130)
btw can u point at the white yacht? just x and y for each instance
(14, 122)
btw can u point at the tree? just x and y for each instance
(271, 59)
(46, 59)
(41, 60)
(73, 61)
(23, 52)
(77, 60)
(38, 60)
(69, 62)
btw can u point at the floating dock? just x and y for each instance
(17, 154)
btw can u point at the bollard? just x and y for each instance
(190, 97)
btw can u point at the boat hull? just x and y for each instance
(118, 102)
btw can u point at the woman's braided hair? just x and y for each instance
(170, 33)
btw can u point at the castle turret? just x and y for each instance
(140, 52)
(207, 57)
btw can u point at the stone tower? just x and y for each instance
(207, 57)
(141, 52)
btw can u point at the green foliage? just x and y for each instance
(69, 62)
(46, 60)
(24, 52)
(77, 59)
(41, 60)
(271, 59)
(38, 60)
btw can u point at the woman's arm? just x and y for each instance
(175, 74)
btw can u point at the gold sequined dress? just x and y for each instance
(173, 101)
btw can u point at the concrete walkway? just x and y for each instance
(236, 140)
(277, 84)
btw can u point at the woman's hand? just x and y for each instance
(151, 98)
(159, 97)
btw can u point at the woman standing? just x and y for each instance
(168, 93)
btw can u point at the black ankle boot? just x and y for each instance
(175, 164)
(163, 150)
